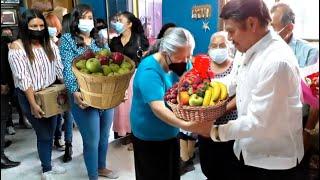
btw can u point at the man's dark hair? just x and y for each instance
(240, 10)
(288, 15)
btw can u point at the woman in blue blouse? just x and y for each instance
(94, 124)
(154, 126)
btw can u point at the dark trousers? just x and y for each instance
(44, 129)
(156, 160)
(4, 118)
(217, 159)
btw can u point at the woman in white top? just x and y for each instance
(36, 64)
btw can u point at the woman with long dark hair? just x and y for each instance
(132, 42)
(94, 124)
(36, 64)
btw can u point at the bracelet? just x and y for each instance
(309, 131)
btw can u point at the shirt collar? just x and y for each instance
(260, 45)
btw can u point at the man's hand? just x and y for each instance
(202, 128)
(4, 89)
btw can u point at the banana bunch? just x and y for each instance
(216, 91)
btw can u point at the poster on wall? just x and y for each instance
(9, 17)
(42, 5)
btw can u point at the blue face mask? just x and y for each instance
(118, 27)
(219, 56)
(85, 25)
(52, 31)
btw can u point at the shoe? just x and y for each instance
(108, 173)
(11, 131)
(7, 143)
(68, 152)
(58, 170)
(186, 166)
(24, 123)
(46, 176)
(58, 145)
(7, 163)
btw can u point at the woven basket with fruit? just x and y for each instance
(195, 97)
(103, 77)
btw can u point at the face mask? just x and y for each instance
(85, 25)
(36, 35)
(52, 31)
(103, 33)
(7, 39)
(178, 68)
(218, 55)
(118, 27)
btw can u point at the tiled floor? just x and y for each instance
(24, 149)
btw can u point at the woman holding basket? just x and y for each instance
(94, 124)
(154, 126)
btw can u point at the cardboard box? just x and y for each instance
(53, 100)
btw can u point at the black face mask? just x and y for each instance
(59, 35)
(36, 35)
(178, 68)
(7, 39)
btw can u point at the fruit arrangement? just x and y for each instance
(103, 63)
(192, 90)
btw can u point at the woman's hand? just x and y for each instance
(36, 111)
(79, 101)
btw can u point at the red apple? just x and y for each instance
(117, 58)
(104, 60)
(88, 54)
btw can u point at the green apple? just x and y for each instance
(123, 70)
(104, 52)
(81, 64)
(111, 74)
(93, 65)
(195, 100)
(106, 69)
(126, 64)
(116, 74)
(114, 67)
(85, 71)
(98, 73)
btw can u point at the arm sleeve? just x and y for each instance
(313, 56)
(266, 97)
(151, 86)
(67, 57)
(19, 67)
(58, 62)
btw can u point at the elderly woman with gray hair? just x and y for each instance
(216, 157)
(154, 126)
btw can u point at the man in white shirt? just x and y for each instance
(268, 131)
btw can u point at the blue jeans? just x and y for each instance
(94, 126)
(44, 129)
(68, 122)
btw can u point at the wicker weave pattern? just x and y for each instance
(199, 113)
(103, 92)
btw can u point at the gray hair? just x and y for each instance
(175, 38)
(220, 33)
(288, 15)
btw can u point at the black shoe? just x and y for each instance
(186, 166)
(68, 152)
(7, 163)
(7, 143)
(58, 145)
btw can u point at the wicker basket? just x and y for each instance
(199, 113)
(103, 92)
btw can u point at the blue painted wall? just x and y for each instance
(179, 12)
(99, 7)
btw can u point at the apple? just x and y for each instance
(195, 100)
(184, 98)
(114, 67)
(85, 71)
(106, 69)
(104, 52)
(103, 60)
(88, 54)
(93, 65)
(98, 73)
(123, 71)
(110, 74)
(126, 64)
(117, 57)
(81, 64)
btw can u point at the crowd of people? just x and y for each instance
(266, 130)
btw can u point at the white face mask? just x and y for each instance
(85, 25)
(52, 31)
(218, 55)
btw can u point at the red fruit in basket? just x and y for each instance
(197, 80)
(184, 98)
(174, 101)
(117, 58)
(103, 60)
(88, 54)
